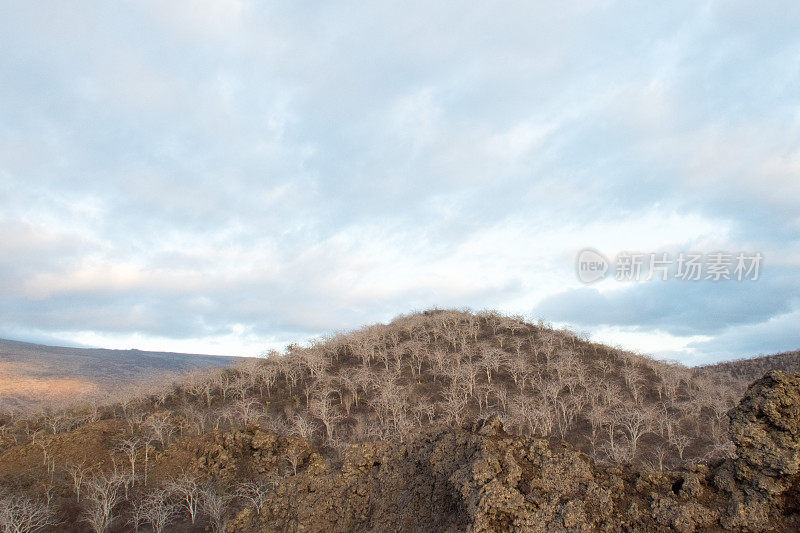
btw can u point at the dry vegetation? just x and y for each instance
(144, 458)
(19, 386)
(755, 367)
(32, 374)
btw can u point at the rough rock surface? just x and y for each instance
(765, 428)
(481, 479)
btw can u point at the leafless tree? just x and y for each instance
(619, 451)
(349, 380)
(44, 442)
(103, 492)
(19, 514)
(196, 417)
(215, 505)
(671, 376)
(129, 447)
(565, 412)
(187, 489)
(491, 359)
(535, 414)
(424, 411)
(201, 384)
(138, 507)
(518, 368)
(660, 454)
(224, 383)
(303, 426)
(248, 409)
(77, 473)
(255, 493)
(159, 511)
(267, 374)
(453, 405)
(680, 442)
(636, 422)
(59, 421)
(315, 361)
(720, 450)
(440, 358)
(160, 427)
(294, 456)
(134, 421)
(323, 408)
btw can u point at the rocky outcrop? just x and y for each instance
(765, 428)
(482, 479)
(255, 452)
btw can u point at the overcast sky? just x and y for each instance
(223, 176)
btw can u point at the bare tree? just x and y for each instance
(248, 409)
(59, 421)
(196, 417)
(322, 408)
(535, 414)
(215, 505)
(160, 427)
(660, 454)
(294, 455)
(349, 380)
(146, 440)
(159, 511)
(302, 426)
(453, 405)
(44, 442)
(201, 383)
(224, 383)
(255, 493)
(315, 360)
(565, 412)
(77, 473)
(636, 422)
(681, 442)
(500, 393)
(188, 491)
(619, 450)
(491, 359)
(129, 447)
(596, 415)
(518, 368)
(19, 514)
(134, 421)
(103, 492)
(418, 353)
(136, 513)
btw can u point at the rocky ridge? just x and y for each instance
(483, 479)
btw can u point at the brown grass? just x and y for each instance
(19, 380)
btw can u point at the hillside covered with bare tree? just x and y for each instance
(205, 447)
(753, 368)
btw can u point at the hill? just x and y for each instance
(450, 412)
(754, 367)
(34, 373)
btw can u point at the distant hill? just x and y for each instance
(30, 373)
(753, 368)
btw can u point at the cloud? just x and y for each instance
(179, 171)
(677, 307)
(777, 334)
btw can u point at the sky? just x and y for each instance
(227, 176)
